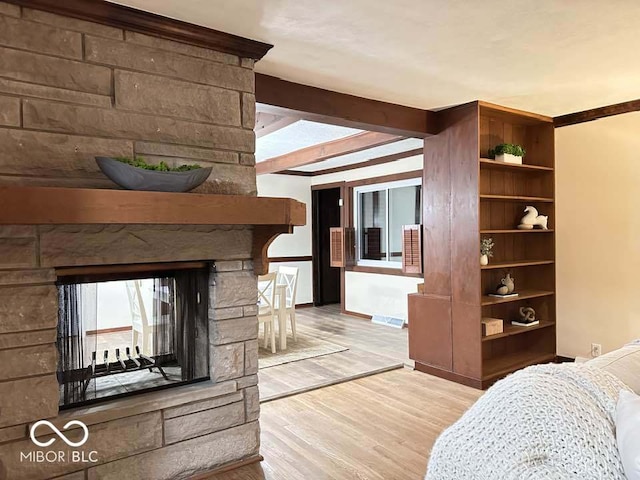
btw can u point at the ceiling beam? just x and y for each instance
(325, 151)
(310, 103)
(135, 20)
(596, 113)
(369, 163)
(267, 123)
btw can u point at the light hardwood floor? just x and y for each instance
(372, 349)
(380, 427)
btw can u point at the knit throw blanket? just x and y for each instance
(544, 422)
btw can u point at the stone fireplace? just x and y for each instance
(71, 89)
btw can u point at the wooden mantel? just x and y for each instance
(270, 217)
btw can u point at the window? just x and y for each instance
(379, 214)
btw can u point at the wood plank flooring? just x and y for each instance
(372, 349)
(381, 427)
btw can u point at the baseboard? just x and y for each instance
(451, 376)
(561, 359)
(109, 330)
(356, 314)
(304, 305)
(228, 467)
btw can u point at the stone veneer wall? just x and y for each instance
(70, 90)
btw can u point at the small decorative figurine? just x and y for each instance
(531, 219)
(486, 247)
(506, 287)
(527, 317)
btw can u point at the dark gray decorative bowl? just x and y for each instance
(134, 178)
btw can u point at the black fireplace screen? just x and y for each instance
(118, 336)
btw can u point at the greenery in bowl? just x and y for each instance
(161, 167)
(507, 148)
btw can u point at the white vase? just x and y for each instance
(508, 158)
(484, 260)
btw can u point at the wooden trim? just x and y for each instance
(302, 258)
(385, 178)
(535, 117)
(227, 467)
(382, 271)
(296, 173)
(325, 151)
(73, 206)
(447, 375)
(288, 98)
(135, 20)
(596, 113)
(369, 163)
(326, 186)
(561, 359)
(356, 314)
(128, 268)
(109, 330)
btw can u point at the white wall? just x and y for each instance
(598, 234)
(375, 294)
(297, 244)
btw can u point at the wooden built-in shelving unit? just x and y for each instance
(485, 198)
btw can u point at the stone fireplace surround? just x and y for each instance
(71, 89)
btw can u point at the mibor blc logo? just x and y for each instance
(55, 456)
(55, 430)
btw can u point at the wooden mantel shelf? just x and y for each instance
(72, 206)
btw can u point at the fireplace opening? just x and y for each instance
(137, 330)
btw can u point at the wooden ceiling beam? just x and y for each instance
(325, 151)
(267, 123)
(369, 163)
(310, 103)
(596, 113)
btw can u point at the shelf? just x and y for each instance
(505, 364)
(510, 330)
(74, 206)
(516, 230)
(515, 198)
(523, 295)
(514, 264)
(487, 162)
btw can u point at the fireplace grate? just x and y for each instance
(131, 364)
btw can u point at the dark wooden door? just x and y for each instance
(326, 214)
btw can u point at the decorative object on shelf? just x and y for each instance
(492, 326)
(506, 287)
(532, 218)
(486, 250)
(527, 318)
(508, 153)
(136, 174)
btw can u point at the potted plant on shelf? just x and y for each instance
(508, 153)
(486, 250)
(136, 174)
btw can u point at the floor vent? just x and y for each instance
(388, 321)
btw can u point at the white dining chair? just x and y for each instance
(288, 276)
(267, 313)
(139, 318)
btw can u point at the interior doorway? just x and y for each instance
(326, 213)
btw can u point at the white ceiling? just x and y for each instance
(548, 56)
(300, 134)
(364, 155)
